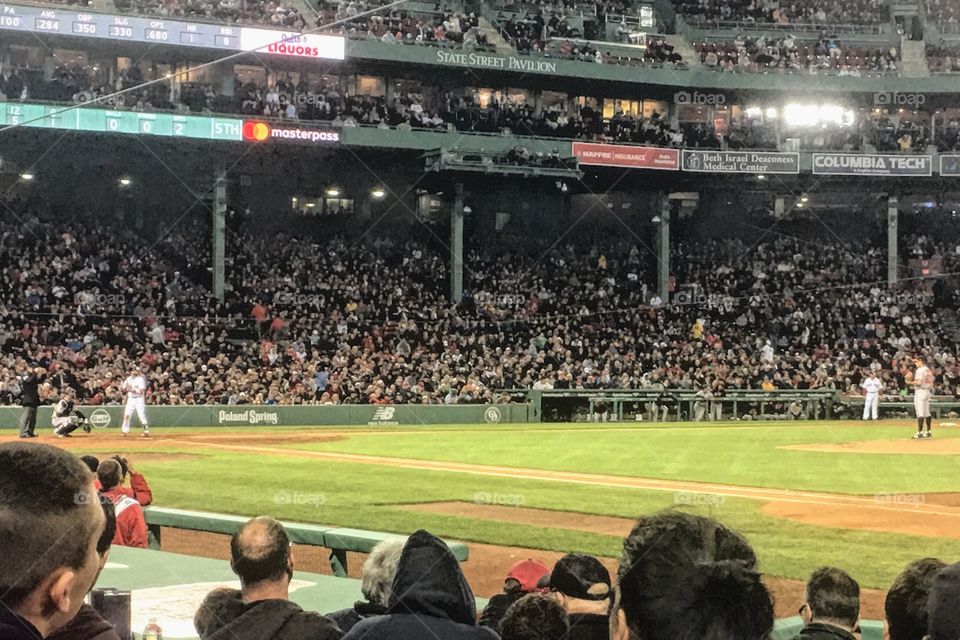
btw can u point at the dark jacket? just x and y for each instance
(430, 599)
(224, 616)
(589, 626)
(13, 627)
(820, 631)
(347, 619)
(30, 390)
(493, 613)
(87, 625)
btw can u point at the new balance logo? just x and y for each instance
(384, 415)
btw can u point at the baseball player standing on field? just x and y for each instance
(135, 386)
(923, 382)
(871, 386)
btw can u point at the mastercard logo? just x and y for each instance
(256, 131)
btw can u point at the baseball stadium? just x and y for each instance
(479, 319)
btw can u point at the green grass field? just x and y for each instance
(366, 496)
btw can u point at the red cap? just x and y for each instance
(528, 573)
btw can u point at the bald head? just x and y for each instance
(260, 552)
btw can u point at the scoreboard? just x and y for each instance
(88, 24)
(91, 120)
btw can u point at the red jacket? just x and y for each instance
(131, 526)
(139, 490)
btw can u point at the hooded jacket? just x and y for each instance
(87, 625)
(223, 615)
(820, 631)
(13, 627)
(430, 598)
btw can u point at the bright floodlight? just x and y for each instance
(333, 192)
(125, 182)
(26, 177)
(801, 115)
(378, 194)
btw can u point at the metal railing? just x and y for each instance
(747, 25)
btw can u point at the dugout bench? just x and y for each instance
(817, 403)
(340, 540)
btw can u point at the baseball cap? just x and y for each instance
(580, 576)
(528, 573)
(943, 616)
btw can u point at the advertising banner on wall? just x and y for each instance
(615, 155)
(741, 161)
(857, 164)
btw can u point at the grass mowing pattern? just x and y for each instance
(359, 495)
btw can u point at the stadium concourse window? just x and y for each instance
(321, 205)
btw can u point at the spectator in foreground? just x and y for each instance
(379, 570)
(831, 610)
(686, 576)
(139, 489)
(88, 624)
(535, 617)
(260, 555)
(905, 607)
(524, 577)
(943, 613)
(131, 525)
(582, 586)
(49, 529)
(92, 463)
(430, 598)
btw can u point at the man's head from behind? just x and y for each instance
(379, 569)
(942, 611)
(260, 553)
(832, 597)
(905, 607)
(50, 522)
(535, 617)
(686, 577)
(110, 474)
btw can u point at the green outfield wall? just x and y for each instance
(103, 417)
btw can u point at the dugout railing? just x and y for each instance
(339, 540)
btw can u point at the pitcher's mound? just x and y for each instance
(934, 446)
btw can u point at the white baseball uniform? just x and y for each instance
(871, 391)
(136, 388)
(923, 378)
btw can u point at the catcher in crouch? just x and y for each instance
(66, 419)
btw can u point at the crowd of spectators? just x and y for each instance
(85, 301)
(785, 12)
(786, 55)
(325, 100)
(944, 14)
(265, 12)
(942, 59)
(440, 27)
(679, 576)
